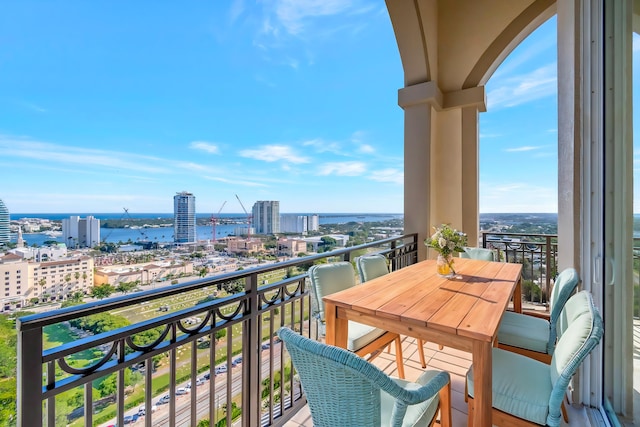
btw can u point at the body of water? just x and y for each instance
(165, 234)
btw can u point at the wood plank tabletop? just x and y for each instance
(470, 304)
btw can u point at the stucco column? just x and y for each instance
(417, 103)
(471, 174)
(441, 159)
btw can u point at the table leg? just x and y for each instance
(482, 381)
(337, 329)
(517, 297)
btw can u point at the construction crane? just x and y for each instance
(214, 221)
(248, 217)
(130, 218)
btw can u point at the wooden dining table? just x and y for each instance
(462, 312)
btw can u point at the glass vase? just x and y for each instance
(444, 266)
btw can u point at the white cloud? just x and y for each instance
(274, 153)
(521, 149)
(292, 21)
(205, 146)
(236, 9)
(518, 197)
(322, 146)
(191, 166)
(235, 181)
(342, 168)
(520, 89)
(388, 175)
(294, 14)
(366, 148)
(55, 153)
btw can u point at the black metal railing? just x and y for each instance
(538, 253)
(189, 354)
(636, 277)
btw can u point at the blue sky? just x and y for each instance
(105, 105)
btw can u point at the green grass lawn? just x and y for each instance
(59, 334)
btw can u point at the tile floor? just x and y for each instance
(455, 361)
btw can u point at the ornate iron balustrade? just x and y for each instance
(258, 391)
(538, 253)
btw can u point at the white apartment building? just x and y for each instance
(4, 223)
(81, 232)
(41, 253)
(266, 216)
(52, 280)
(313, 222)
(184, 217)
(299, 224)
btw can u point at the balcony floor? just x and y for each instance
(454, 361)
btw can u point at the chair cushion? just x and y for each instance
(520, 330)
(360, 335)
(521, 386)
(576, 306)
(478, 253)
(416, 415)
(327, 279)
(371, 266)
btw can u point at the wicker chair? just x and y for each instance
(373, 266)
(342, 389)
(535, 336)
(364, 340)
(527, 392)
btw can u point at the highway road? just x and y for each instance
(183, 402)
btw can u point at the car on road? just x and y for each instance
(207, 376)
(237, 361)
(266, 346)
(181, 390)
(221, 369)
(143, 411)
(131, 419)
(164, 399)
(199, 381)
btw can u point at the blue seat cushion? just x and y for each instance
(520, 330)
(521, 386)
(360, 335)
(416, 415)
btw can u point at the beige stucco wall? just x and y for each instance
(449, 49)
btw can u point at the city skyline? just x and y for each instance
(104, 107)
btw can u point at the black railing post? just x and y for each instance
(394, 257)
(251, 356)
(29, 381)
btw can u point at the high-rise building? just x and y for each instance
(184, 217)
(81, 232)
(4, 223)
(266, 217)
(313, 222)
(300, 224)
(293, 224)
